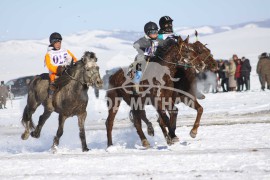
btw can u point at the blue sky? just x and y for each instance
(36, 19)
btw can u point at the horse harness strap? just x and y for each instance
(71, 77)
(176, 64)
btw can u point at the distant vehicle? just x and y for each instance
(19, 86)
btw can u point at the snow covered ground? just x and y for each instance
(232, 141)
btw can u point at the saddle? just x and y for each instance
(44, 76)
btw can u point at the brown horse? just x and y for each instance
(177, 54)
(187, 83)
(69, 100)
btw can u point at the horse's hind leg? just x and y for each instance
(150, 129)
(27, 119)
(59, 133)
(42, 119)
(81, 120)
(199, 109)
(113, 106)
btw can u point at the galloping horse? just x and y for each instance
(69, 100)
(187, 83)
(177, 53)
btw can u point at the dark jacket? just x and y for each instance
(246, 68)
(221, 72)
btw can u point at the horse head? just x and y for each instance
(91, 75)
(205, 55)
(189, 56)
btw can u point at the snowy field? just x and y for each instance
(232, 141)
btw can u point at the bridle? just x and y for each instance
(92, 73)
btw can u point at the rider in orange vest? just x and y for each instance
(56, 59)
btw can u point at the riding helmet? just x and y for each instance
(165, 20)
(150, 27)
(55, 37)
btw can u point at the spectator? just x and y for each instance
(263, 70)
(3, 95)
(235, 58)
(232, 81)
(238, 76)
(245, 73)
(226, 72)
(221, 74)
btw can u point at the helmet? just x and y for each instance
(165, 20)
(55, 37)
(264, 55)
(150, 27)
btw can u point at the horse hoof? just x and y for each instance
(145, 143)
(175, 139)
(169, 141)
(34, 135)
(192, 134)
(25, 136)
(85, 149)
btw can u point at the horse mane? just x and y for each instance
(165, 47)
(65, 78)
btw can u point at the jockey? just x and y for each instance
(56, 59)
(166, 36)
(146, 47)
(166, 28)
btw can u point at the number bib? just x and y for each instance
(59, 57)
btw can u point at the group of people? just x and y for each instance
(231, 75)
(234, 75)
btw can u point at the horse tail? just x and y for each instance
(27, 121)
(29, 109)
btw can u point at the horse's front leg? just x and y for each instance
(81, 121)
(138, 126)
(42, 119)
(199, 109)
(61, 120)
(162, 113)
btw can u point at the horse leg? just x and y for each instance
(138, 126)
(27, 119)
(163, 115)
(199, 109)
(164, 130)
(59, 133)
(42, 119)
(150, 129)
(81, 120)
(112, 111)
(173, 117)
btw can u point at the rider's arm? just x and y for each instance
(49, 64)
(73, 57)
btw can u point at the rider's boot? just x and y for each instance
(49, 104)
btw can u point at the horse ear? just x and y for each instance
(196, 34)
(179, 40)
(187, 39)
